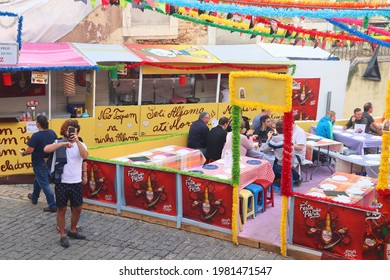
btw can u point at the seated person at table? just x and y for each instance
(357, 118)
(216, 139)
(246, 147)
(325, 125)
(247, 131)
(256, 123)
(199, 131)
(299, 142)
(275, 143)
(372, 126)
(263, 129)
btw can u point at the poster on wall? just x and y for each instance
(207, 201)
(150, 190)
(305, 98)
(100, 184)
(329, 228)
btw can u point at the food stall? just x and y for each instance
(37, 84)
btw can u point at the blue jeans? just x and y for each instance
(41, 182)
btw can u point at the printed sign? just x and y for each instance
(207, 201)
(305, 98)
(39, 77)
(261, 89)
(8, 53)
(150, 190)
(100, 184)
(324, 227)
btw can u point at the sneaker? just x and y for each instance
(76, 235)
(29, 196)
(64, 241)
(51, 210)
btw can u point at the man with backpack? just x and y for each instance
(69, 155)
(36, 144)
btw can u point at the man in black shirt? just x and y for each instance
(199, 132)
(372, 126)
(217, 139)
(357, 118)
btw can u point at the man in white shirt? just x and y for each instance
(299, 144)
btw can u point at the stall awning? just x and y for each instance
(173, 54)
(296, 52)
(98, 53)
(49, 56)
(244, 54)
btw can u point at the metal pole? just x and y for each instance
(328, 101)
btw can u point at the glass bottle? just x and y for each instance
(326, 233)
(92, 182)
(149, 190)
(206, 201)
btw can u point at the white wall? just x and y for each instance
(333, 75)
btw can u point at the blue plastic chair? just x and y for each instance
(258, 196)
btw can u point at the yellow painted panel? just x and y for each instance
(172, 119)
(122, 149)
(116, 124)
(261, 89)
(13, 138)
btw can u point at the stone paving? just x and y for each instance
(26, 232)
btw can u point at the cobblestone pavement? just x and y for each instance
(26, 232)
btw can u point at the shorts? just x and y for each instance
(65, 192)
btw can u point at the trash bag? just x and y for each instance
(372, 70)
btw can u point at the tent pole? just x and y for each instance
(140, 86)
(49, 86)
(218, 87)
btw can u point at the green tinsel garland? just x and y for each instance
(365, 22)
(236, 124)
(111, 67)
(229, 28)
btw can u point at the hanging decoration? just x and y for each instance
(69, 83)
(384, 168)
(323, 13)
(20, 26)
(7, 79)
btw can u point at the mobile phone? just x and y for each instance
(71, 131)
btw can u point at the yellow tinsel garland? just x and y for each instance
(283, 226)
(383, 177)
(234, 214)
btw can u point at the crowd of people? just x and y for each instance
(264, 141)
(325, 124)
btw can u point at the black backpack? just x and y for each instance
(57, 166)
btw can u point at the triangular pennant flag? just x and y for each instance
(105, 3)
(200, 12)
(323, 45)
(281, 41)
(172, 10)
(253, 36)
(114, 2)
(288, 33)
(274, 27)
(151, 3)
(303, 42)
(123, 3)
(167, 8)
(251, 25)
(93, 3)
(229, 16)
(316, 43)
